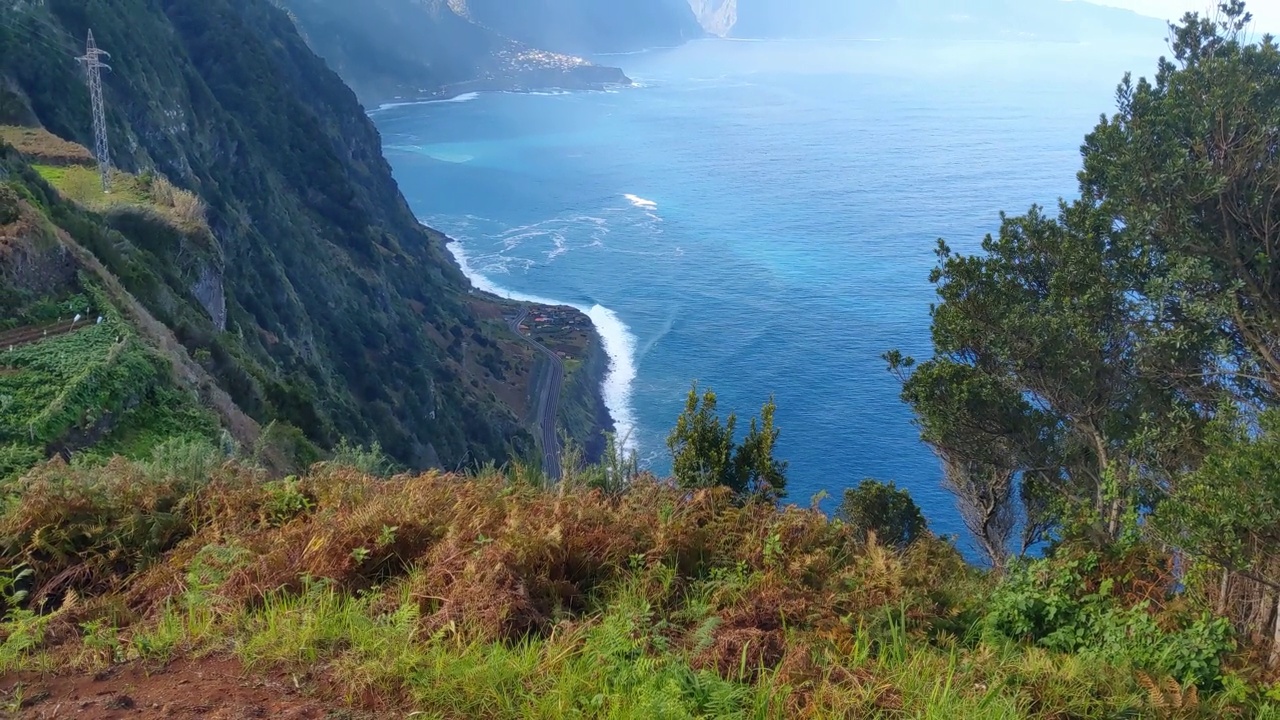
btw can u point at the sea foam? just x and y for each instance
(464, 97)
(619, 345)
(640, 202)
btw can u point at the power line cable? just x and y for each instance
(40, 22)
(28, 33)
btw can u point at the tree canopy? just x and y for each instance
(1109, 372)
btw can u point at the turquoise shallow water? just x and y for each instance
(761, 217)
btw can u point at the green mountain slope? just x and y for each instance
(318, 300)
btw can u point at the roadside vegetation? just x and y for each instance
(492, 596)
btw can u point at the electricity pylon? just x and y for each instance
(93, 66)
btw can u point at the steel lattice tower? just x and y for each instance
(93, 66)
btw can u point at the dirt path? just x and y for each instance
(208, 689)
(28, 335)
(548, 400)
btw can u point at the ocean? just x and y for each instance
(761, 217)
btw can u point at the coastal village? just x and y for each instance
(563, 330)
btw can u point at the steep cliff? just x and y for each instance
(587, 26)
(387, 49)
(316, 299)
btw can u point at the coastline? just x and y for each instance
(615, 340)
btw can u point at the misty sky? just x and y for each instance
(1265, 12)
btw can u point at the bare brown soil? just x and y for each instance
(28, 335)
(208, 689)
(44, 146)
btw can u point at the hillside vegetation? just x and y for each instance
(315, 300)
(490, 596)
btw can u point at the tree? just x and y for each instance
(756, 471)
(1040, 368)
(987, 435)
(704, 452)
(1189, 163)
(883, 510)
(701, 447)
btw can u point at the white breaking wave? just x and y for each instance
(619, 345)
(464, 97)
(454, 158)
(641, 202)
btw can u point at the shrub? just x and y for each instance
(1069, 605)
(8, 205)
(370, 461)
(286, 500)
(881, 508)
(16, 458)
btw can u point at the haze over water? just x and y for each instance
(762, 217)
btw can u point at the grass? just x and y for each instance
(488, 596)
(83, 184)
(73, 170)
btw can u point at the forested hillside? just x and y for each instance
(317, 300)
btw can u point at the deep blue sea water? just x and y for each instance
(761, 217)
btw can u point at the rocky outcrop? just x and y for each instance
(209, 292)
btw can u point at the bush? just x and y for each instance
(1071, 606)
(886, 511)
(187, 461)
(86, 527)
(370, 461)
(16, 459)
(286, 500)
(8, 205)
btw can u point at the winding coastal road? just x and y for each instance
(548, 395)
